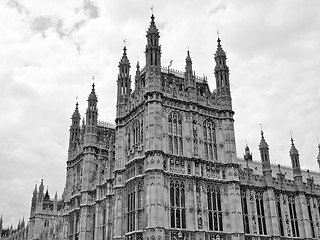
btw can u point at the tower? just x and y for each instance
(88, 171)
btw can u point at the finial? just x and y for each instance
(261, 130)
(218, 38)
(246, 143)
(77, 102)
(93, 83)
(151, 9)
(291, 138)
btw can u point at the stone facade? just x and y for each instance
(168, 169)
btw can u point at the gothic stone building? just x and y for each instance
(168, 169)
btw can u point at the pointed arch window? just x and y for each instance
(177, 205)
(280, 215)
(293, 216)
(175, 134)
(245, 212)
(261, 217)
(312, 227)
(209, 139)
(214, 209)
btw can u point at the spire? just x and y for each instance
(263, 144)
(137, 77)
(220, 52)
(76, 114)
(221, 71)
(47, 196)
(265, 159)
(93, 96)
(153, 49)
(188, 58)
(293, 149)
(124, 60)
(74, 135)
(35, 191)
(294, 155)
(41, 187)
(124, 79)
(92, 111)
(152, 28)
(247, 155)
(189, 76)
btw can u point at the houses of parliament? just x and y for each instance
(168, 168)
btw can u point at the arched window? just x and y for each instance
(261, 214)
(177, 205)
(214, 209)
(293, 216)
(175, 134)
(280, 215)
(245, 212)
(209, 139)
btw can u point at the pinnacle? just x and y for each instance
(220, 52)
(293, 149)
(263, 143)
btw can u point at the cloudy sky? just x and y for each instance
(50, 50)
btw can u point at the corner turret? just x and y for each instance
(265, 159)
(189, 76)
(247, 154)
(137, 79)
(124, 78)
(74, 137)
(153, 49)
(294, 155)
(92, 111)
(221, 72)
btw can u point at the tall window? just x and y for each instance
(279, 213)
(177, 205)
(131, 214)
(136, 132)
(104, 223)
(175, 134)
(209, 139)
(134, 208)
(310, 218)
(261, 214)
(245, 213)
(293, 216)
(140, 207)
(214, 209)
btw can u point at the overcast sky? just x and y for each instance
(50, 50)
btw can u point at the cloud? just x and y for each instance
(272, 55)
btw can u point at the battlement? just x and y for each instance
(177, 73)
(106, 124)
